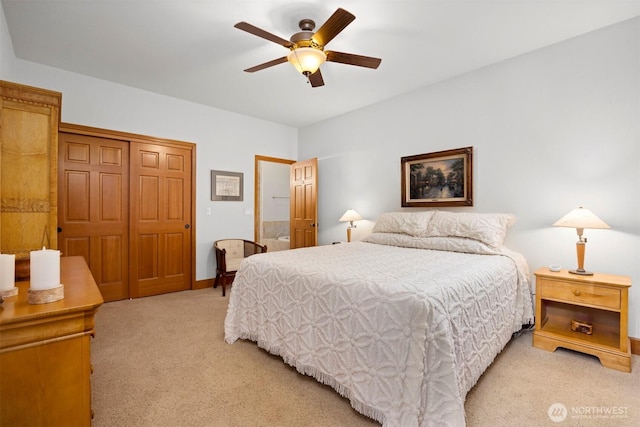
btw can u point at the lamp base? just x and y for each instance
(581, 272)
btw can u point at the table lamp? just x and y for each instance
(350, 216)
(580, 219)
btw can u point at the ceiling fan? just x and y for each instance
(307, 48)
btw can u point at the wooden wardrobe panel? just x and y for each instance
(29, 119)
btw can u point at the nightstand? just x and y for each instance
(599, 301)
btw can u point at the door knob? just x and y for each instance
(313, 224)
(187, 226)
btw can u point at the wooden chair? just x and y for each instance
(229, 255)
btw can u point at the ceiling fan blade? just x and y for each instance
(316, 79)
(252, 29)
(266, 65)
(336, 23)
(351, 59)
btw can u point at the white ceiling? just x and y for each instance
(190, 50)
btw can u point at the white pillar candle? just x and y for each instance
(45, 269)
(7, 272)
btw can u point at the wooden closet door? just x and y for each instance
(160, 219)
(93, 208)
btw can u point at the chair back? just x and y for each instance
(234, 248)
(229, 252)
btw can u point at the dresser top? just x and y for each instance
(80, 294)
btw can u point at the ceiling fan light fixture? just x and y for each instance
(307, 60)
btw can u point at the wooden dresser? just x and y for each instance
(45, 357)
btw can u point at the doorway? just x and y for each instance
(272, 202)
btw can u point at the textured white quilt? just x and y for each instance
(402, 332)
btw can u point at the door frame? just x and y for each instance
(257, 191)
(132, 137)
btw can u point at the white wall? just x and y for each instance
(225, 141)
(552, 130)
(7, 56)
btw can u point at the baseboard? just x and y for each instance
(635, 345)
(201, 284)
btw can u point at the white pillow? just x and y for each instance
(490, 229)
(411, 223)
(450, 244)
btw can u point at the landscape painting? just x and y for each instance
(442, 178)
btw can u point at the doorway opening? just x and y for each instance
(272, 202)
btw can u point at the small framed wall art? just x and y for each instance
(442, 178)
(226, 186)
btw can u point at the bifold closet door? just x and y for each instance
(93, 208)
(160, 217)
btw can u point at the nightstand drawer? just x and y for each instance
(580, 293)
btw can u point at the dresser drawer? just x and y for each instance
(579, 293)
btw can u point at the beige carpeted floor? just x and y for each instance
(162, 361)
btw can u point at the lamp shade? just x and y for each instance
(350, 215)
(581, 218)
(307, 60)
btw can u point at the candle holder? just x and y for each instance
(43, 296)
(9, 292)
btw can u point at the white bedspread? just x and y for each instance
(403, 333)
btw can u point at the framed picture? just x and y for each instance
(226, 186)
(442, 178)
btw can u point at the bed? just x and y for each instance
(402, 324)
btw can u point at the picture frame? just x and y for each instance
(227, 186)
(442, 178)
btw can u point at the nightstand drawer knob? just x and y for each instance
(577, 292)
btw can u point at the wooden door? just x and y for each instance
(161, 249)
(93, 208)
(304, 204)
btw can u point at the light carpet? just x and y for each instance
(162, 361)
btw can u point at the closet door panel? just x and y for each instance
(77, 246)
(175, 249)
(93, 212)
(160, 218)
(111, 195)
(78, 184)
